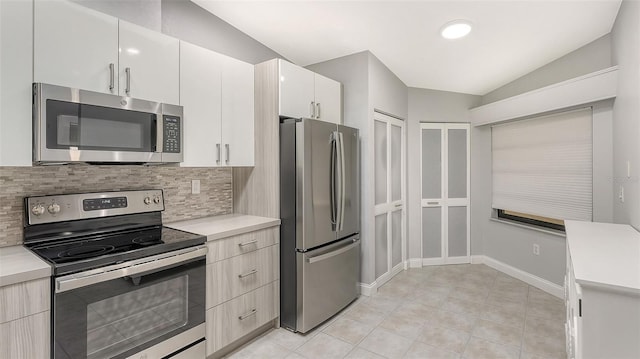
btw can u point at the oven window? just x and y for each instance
(120, 317)
(89, 127)
(119, 323)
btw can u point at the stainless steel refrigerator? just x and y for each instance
(320, 213)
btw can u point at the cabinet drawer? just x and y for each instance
(241, 244)
(238, 317)
(23, 299)
(241, 274)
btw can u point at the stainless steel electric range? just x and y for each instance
(123, 285)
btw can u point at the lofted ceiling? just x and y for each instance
(509, 38)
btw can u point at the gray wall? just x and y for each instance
(434, 106)
(626, 129)
(367, 85)
(589, 58)
(186, 21)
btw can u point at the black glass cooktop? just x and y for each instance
(94, 251)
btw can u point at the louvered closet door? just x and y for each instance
(389, 196)
(445, 193)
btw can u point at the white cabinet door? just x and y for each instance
(200, 86)
(16, 60)
(328, 98)
(237, 113)
(296, 91)
(149, 64)
(74, 46)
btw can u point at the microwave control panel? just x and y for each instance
(171, 134)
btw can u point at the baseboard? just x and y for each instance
(477, 259)
(526, 277)
(368, 289)
(432, 261)
(415, 263)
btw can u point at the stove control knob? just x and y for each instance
(156, 200)
(147, 200)
(53, 208)
(38, 209)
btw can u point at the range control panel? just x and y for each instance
(171, 134)
(69, 207)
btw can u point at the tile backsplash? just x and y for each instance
(215, 195)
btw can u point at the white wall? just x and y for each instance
(433, 106)
(626, 128)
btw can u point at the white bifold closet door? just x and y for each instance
(445, 193)
(389, 196)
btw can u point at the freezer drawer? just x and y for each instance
(327, 281)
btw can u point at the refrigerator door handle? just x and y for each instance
(333, 253)
(343, 184)
(332, 180)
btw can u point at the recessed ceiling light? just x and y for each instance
(456, 29)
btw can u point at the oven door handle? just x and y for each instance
(130, 268)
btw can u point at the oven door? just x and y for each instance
(155, 305)
(72, 125)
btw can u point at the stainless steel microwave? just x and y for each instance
(72, 125)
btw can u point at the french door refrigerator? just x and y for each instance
(320, 215)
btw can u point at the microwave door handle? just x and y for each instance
(159, 135)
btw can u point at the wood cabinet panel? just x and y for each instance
(26, 337)
(24, 299)
(232, 320)
(241, 244)
(238, 275)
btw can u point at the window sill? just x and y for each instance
(530, 227)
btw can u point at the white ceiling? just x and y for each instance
(509, 38)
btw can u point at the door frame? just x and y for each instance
(389, 207)
(444, 202)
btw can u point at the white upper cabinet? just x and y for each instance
(304, 93)
(296, 91)
(216, 92)
(149, 64)
(238, 112)
(200, 86)
(75, 46)
(328, 99)
(81, 48)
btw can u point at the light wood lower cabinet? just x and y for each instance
(25, 316)
(27, 337)
(232, 320)
(243, 292)
(238, 275)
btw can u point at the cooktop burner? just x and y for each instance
(86, 251)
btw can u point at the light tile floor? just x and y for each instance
(466, 311)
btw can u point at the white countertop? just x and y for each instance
(605, 254)
(218, 227)
(18, 264)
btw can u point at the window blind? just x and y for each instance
(543, 166)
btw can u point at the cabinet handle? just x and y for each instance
(226, 147)
(248, 243)
(251, 272)
(318, 110)
(398, 205)
(433, 203)
(247, 315)
(313, 110)
(112, 76)
(127, 72)
(218, 149)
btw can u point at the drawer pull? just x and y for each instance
(251, 272)
(245, 316)
(244, 244)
